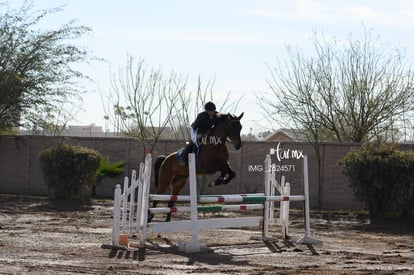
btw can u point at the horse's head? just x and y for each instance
(234, 129)
(229, 127)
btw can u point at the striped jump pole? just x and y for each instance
(229, 198)
(253, 199)
(213, 208)
(206, 198)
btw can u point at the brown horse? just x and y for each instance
(213, 156)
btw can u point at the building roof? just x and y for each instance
(286, 135)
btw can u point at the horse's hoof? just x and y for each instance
(150, 217)
(168, 216)
(218, 182)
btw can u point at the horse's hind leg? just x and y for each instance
(162, 186)
(178, 184)
(151, 215)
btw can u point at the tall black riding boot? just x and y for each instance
(187, 149)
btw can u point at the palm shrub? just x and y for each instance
(382, 177)
(69, 170)
(107, 169)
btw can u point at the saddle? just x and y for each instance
(189, 148)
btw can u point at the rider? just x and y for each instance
(204, 121)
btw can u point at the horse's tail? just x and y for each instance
(157, 165)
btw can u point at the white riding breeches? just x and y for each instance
(193, 134)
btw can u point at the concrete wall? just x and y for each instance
(20, 174)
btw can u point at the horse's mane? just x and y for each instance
(221, 117)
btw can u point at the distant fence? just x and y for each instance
(20, 173)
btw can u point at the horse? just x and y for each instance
(213, 156)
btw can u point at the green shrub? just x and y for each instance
(382, 177)
(69, 170)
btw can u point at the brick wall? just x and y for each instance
(20, 174)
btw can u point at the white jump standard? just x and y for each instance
(264, 201)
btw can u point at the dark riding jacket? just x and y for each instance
(203, 122)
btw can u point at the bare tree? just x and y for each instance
(192, 102)
(54, 121)
(355, 90)
(188, 103)
(143, 101)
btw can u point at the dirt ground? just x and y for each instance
(40, 237)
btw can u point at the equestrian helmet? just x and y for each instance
(210, 106)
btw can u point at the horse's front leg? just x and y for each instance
(231, 175)
(221, 178)
(226, 170)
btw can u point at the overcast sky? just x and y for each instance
(228, 41)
